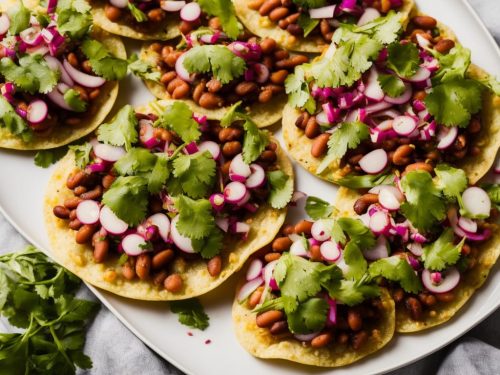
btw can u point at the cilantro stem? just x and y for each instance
(48, 281)
(60, 347)
(177, 150)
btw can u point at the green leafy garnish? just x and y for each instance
(179, 118)
(82, 154)
(196, 219)
(452, 181)
(11, 121)
(357, 232)
(317, 208)
(211, 245)
(309, 316)
(224, 10)
(297, 88)
(493, 191)
(442, 252)
(391, 85)
(347, 136)
(219, 60)
(134, 162)
(396, 269)
(39, 296)
(191, 313)
(102, 62)
(142, 69)
(307, 24)
(195, 173)
(281, 189)
(453, 65)
(138, 14)
(159, 174)
(45, 158)
(310, 4)
(73, 18)
(121, 131)
(353, 292)
(364, 181)
(31, 75)
(354, 258)
(19, 18)
(403, 58)
(72, 98)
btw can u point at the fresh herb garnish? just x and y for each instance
(224, 10)
(281, 186)
(442, 252)
(102, 62)
(396, 269)
(73, 18)
(190, 313)
(121, 130)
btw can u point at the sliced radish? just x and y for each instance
(446, 137)
(88, 211)
(108, 152)
(449, 280)
(248, 288)
(57, 96)
(299, 248)
(404, 125)
(222, 223)
(421, 75)
(476, 202)
(379, 251)
(422, 42)
(112, 223)
(373, 90)
(239, 169)
(330, 251)
(81, 78)
(235, 192)
(37, 111)
(211, 147)
(4, 24)
(120, 3)
(254, 269)
(217, 201)
(181, 70)
(467, 224)
(267, 272)
(377, 107)
(377, 189)
(55, 64)
(379, 222)
(190, 12)
(262, 72)
(321, 230)
(415, 248)
(182, 242)
(389, 200)
(163, 223)
(133, 244)
(369, 15)
(323, 12)
(170, 5)
(31, 36)
(147, 134)
(257, 178)
(374, 162)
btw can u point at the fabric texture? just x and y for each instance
(115, 350)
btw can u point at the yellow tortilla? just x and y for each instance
(488, 141)
(471, 279)
(96, 113)
(262, 344)
(264, 27)
(168, 30)
(265, 224)
(263, 114)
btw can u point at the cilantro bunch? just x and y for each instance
(38, 296)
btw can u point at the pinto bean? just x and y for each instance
(402, 155)
(303, 227)
(278, 13)
(445, 297)
(315, 253)
(362, 204)
(143, 266)
(167, 77)
(128, 271)
(214, 85)
(265, 96)
(294, 29)
(474, 126)
(324, 27)
(173, 84)
(321, 340)
(75, 224)
(254, 298)
(385, 6)
(354, 320)
(302, 120)
(112, 13)
(268, 156)
(320, 145)
(312, 129)
(161, 259)
(420, 166)
(61, 212)
(398, 295)
(268, 6)
(292, 62)
(281, 244)
(414, 307)
(198, 91)
(427, 299)
(72, 214)
(279, 327)
(85, 233)
(230, 134)
(268, 318)
(181, 91)
(159, 277)
(231, 149)
(209, 100)
(444, 46)
(101, 247)
(93, 194)
(272, 256)
(246, 88)
(108, 180)
(173, 283)
(214, 266)
(281, 54)
(75, 179)
(267, 45)
(359, 339)
(279, 76)
(72, 203)
(424, 22)
(342, 338)
(255, 4)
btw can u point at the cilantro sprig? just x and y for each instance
(10, 120)
(442, 252)
(121, 130)
(179, 118)
(396, 269)
(191, 313)
(73, 18)
(224, 10)
(281, 188)
(103, 63)
(31, 74)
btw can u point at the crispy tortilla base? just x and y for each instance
(265, 224)
(97, 112)
(264, 27)
(263, 114)
(169, 29)
(471, 280)
(260, 343)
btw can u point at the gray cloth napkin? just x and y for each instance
(115, 350)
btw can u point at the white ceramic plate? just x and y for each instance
(21, 191)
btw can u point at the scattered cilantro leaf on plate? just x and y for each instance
(191, 313)
(121, 130)
(442, 252)
(45, 158)
(281, 189)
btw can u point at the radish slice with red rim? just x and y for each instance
(267, 272)
(190, 12)
(248, 288)
(55, 64)
(404, 125)
(299, 248)
(257, 178)
(476, 202)
(31, 36)
(108, 152)
(37, 111)
(449, 280)
(467, 224)
(147, 134)
(182, 242)
(86, 80)
(389, 200)
(112, 223)
(415, 248)
(170, 5)
(330, 251)
(446, 137)
(394, 190)
(239, 167)
(88, 212)
(369, 15)
(235, 192)
(163, 223)
(181, 71)
(379, 222)
(120, 3)
(254, 269)
(211, 147)
(379, 251)
(373, 90)
(4, 24)
(421, 75)
(374, 162)
(134, 244)
(321, 230)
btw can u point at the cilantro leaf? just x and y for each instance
(396, 269)
(134, 162)
(195, 173)
(281, 189)
(82, 154)
(19, 17)
(159, 174)
(72, 98)
(391, 85)
(73, 18)
(45, 158)
(254, 141)
(357, 232)
(452, 181)
(219, 60)
(454, 101)
(196, 218)
(31, 75)
(224, 10)
(297, 88)
(347, 136)
(493, 191)
(307, 24)
(102, 62)
(442, 252)
(179, 118)
(121, 131)
(11, 121)
(403, 59)
(310, 4)
(354, 258)
(142, 69)
(424, 206)
(128, 198)
(317, 208)
(453, 65)
(353, 292)
(211, 245)
(191, 313)
(309, 316)
(138, 14)
(364, 181)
